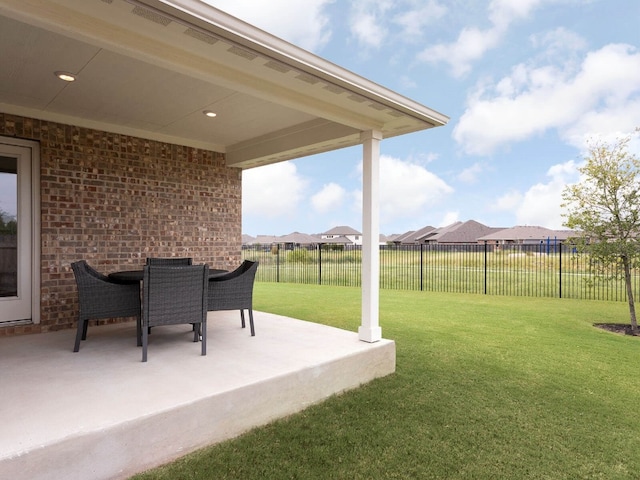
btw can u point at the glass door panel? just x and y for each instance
(8, 227)
(15, 233)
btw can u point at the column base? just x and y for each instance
(367, 334)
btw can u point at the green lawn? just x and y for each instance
(486, 387)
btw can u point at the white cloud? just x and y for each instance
(470, 175)
(472, 42)
(603, 95)
(375, 22)
(415, 18)
(367, 30)
(408, 189)
(367, 21)
(448, 218)
(302, 23)
(331, 197)
(540, 204)
(471, 45)
(273, 190)
(508, 202)
(558, 44)
(503, 12)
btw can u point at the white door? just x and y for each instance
(16, 231)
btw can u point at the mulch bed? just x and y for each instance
(619, 328)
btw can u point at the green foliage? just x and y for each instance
(301, 255)
(605, 208)
(8, 224)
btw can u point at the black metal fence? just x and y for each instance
(540, 270)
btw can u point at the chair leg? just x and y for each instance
(145, 340)
(203, 333)
(196, 331)
(242, 317)
(139, 331)
(85, 326)
(81, 334)
(253, 331)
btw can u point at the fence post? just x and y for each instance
(485, 267)
(277, 263)
(421, 267)
(319, 247)
(560, 271)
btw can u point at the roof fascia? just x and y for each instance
(201, 15)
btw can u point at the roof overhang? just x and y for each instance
(150, 68)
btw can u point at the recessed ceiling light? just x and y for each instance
(209, 113)
(66, 76)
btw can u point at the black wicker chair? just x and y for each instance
(234, 291)
(100, 298)
(172, 296)
(170, 262)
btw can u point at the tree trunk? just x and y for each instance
(632, 307)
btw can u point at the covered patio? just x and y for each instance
(139, 152)
(103, 414)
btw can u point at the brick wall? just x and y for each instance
(114, 200)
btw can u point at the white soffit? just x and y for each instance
(150, 67)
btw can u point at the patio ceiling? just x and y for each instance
(150, 68)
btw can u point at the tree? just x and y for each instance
(604, 207)
(8, 224)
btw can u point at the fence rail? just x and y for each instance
(539, 270)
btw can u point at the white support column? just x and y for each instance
(370, 330)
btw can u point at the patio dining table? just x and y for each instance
(134, 276)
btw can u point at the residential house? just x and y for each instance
(411, 237)
(354, 236)
(297, 239)
(456, 233)
(525, 235)
(248, 239)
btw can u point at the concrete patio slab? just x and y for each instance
(85, 415)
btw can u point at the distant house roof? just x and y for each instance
(248, 239)
(342, 230)
(299, 239)
(433, 235)
(266, 239)
(525, 233)
(401, 237)
(457, 232)
(411, 237)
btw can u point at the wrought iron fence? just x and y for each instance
(538, 270)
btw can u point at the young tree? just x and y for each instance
(604, 207)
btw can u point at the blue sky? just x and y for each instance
(526, 83)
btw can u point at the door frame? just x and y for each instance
(34, 185)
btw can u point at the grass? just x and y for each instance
(486, 387)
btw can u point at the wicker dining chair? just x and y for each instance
(170, 262)
(100, 298)
(172, 296)
(234, 291)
